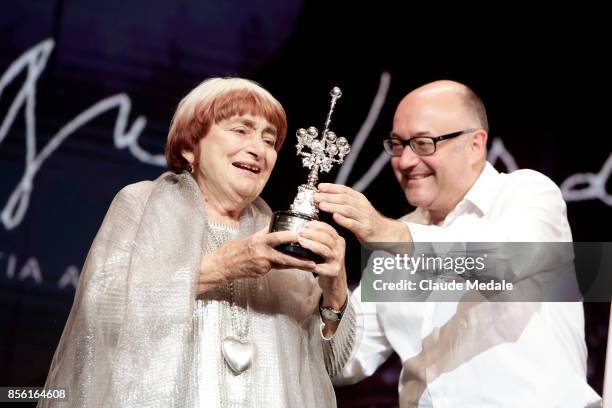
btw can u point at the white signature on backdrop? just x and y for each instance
(33, 62)
(577, 187)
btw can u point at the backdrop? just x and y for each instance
(87, 91)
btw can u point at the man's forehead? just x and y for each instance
(430, 112)
(429, 98)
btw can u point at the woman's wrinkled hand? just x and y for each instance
(249, 257)
(322, 239)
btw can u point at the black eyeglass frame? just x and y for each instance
(408, 142)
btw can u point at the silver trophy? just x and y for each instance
(323, 152)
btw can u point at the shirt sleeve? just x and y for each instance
(370, 346)
(338, 348)
(517, 234)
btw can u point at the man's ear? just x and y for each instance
(187, 155)
(478, 143)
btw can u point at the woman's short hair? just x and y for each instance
(215, 100)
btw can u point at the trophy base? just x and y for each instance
(292, 221)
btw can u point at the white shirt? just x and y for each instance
(492, 354)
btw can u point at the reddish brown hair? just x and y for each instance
(213, 101)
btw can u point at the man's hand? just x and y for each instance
(353, 211)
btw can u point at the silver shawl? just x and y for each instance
(129, 340)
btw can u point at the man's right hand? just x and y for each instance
(352, 210)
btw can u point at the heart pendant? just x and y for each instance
(238, 353)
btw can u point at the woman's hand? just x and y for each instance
(249, 257)
(322, 239)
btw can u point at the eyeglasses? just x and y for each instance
(421, 145)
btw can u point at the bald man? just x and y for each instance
(464, 354)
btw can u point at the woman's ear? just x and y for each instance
(187, 155)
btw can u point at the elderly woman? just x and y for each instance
(183, 300)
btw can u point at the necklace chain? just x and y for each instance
(217, 236)
(238, 313)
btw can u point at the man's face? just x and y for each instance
(437, 182)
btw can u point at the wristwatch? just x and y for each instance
(330, 313)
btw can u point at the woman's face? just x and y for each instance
(236, 158)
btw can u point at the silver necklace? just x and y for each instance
(238, 351)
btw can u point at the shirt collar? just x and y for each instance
(482, 192)
(481, 196)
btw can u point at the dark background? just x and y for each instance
(540, 73)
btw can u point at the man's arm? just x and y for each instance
(534, 212)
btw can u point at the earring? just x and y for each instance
(190, 168)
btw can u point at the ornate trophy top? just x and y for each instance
(324, 151)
